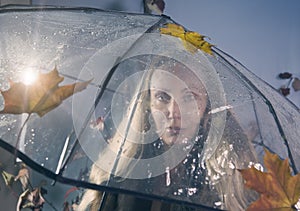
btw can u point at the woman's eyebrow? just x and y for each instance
(190, 91)
(160, 89)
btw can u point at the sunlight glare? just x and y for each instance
(29, 76)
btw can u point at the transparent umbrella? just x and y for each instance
(93, 139)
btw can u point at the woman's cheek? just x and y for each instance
(159, 119)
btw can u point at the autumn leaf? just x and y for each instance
(40, 97)
(188, 38)
(285, 91)
(278, 189)
(156, 6)
(66, 206)
(285, 75)
(98, 124)
(23, 176)
(8, 178)
(296, 84)
(31, 199)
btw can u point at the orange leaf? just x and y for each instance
(296, 84)
(23, 176)
(40, 97)
(277, 187)
(193, 38)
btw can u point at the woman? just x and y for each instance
(168, 120)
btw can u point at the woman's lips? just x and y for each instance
(173, 131)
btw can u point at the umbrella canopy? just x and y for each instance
(108, 57)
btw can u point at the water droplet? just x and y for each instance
(4, 85)
(218, 203)
(216, 177)
(149, 174)
(168, 177)
(297, 206)
(259, 167)
(231, 165)
(192, 191)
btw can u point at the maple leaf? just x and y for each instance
(285, 91)
(278, 189)
(23, 176)
(40, 97)
(285, 75)
(31, 199)
(296, 84)
(98, 124)
(157, 6)
(66, 206)
(190, 37)
(8, 178)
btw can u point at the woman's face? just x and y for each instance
(178, 101)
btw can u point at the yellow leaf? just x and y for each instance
(188, 37)
(8, 178)
(194, 38)
(31, 199)
(173, 29)
(40, 97)
(278, 188)
(206, 47)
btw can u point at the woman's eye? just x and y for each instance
(188, 98)
(162, 97)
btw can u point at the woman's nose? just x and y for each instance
(173, 110)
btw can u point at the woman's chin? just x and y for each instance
(172, 139)
(169, 140)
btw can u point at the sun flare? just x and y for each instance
(29, 76)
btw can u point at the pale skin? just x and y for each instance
(178, 101)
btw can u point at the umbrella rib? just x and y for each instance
(91, 83)
(268, 103)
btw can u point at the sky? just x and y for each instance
(261, 34)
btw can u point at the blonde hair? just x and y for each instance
(137, 108)
(233, 152)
